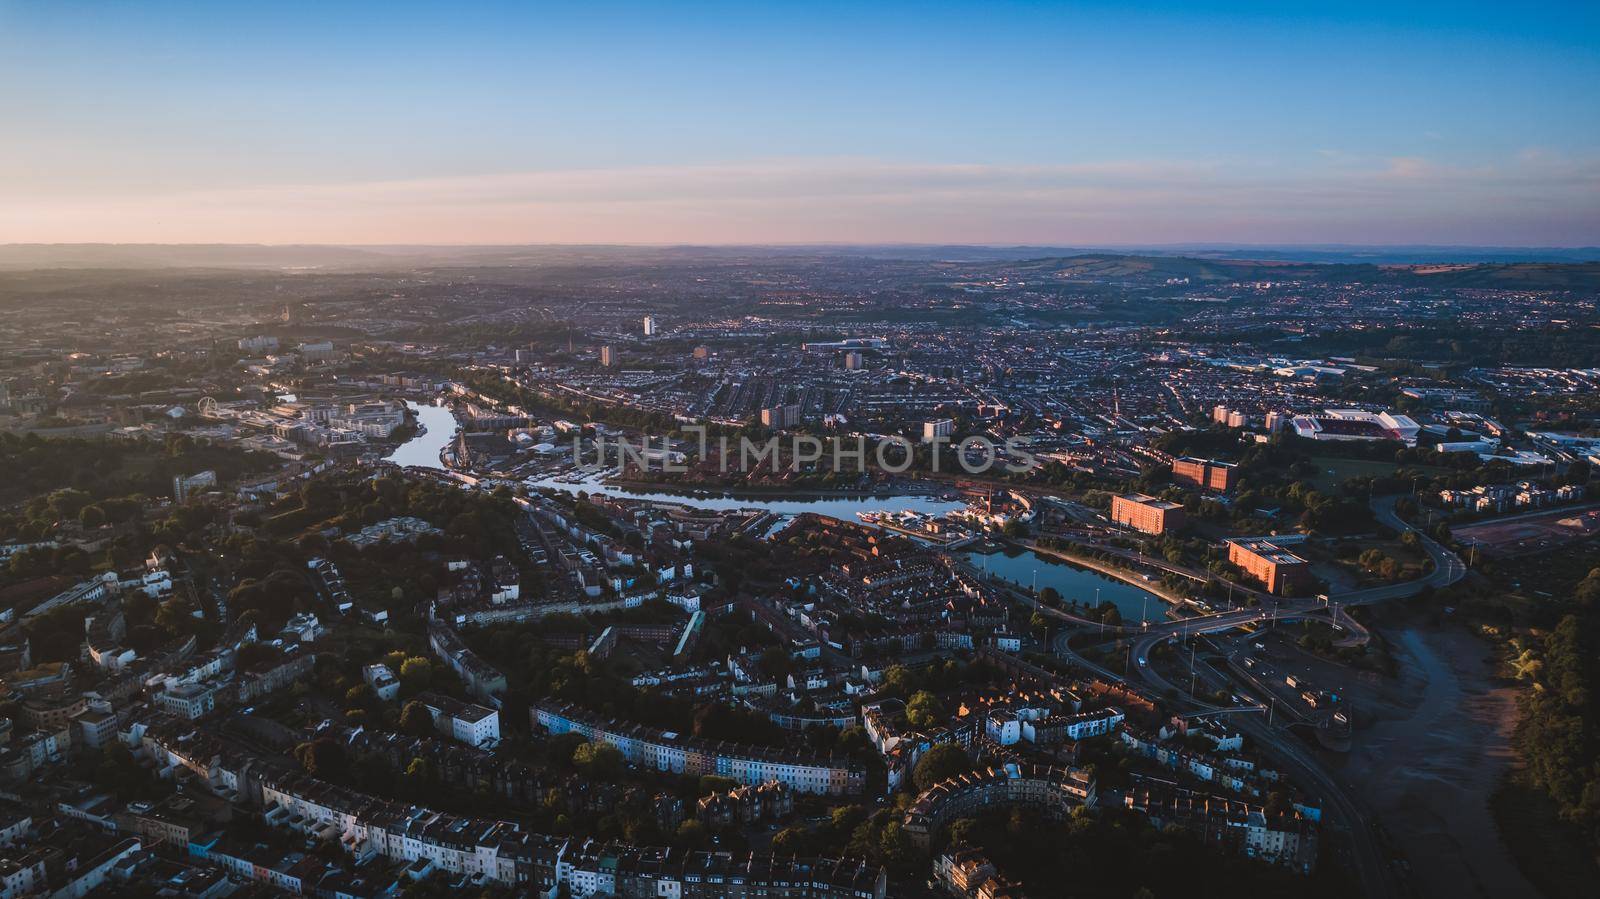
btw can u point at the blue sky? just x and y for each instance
(656, 123)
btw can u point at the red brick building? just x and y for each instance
(1204, 473)
(1278, 570)
(1146, 513)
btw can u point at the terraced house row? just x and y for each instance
(487, 851)
(830, 775)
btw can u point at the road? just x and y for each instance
(1286, 750)
(1289, 754)
(1447, 569)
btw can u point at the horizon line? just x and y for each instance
(831, 244)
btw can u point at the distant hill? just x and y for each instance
(1101, 266)
(1544, 275)
(1371, 255)
(1577, 269)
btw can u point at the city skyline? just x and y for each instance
(1018, 124)
(713, 450)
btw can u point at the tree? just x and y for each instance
(692, 835)
(713, 783)
(416, 720)
(416, 674)
(792, 840)
(894, 846)
(560, 748)
(942, 762)
(853, 741)
(322, 758)
(1038, 624)
(1050, 596)
(899, 680)
(961, 831)
(846, 818)
(775, 662)
(598, 761)
(924, 710)
(420, 770)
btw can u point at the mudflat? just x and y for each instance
(1436, 744)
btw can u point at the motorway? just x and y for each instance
(1339, 803)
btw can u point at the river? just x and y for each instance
(422, 451)
(1073, 582)
(844, 507)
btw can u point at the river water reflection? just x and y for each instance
(1073, 582)
(423, 450)
(839, 506)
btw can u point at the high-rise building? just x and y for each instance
(1232, 418)
(259, 344)
(1275, 422)
(943, 427)
(185, 487)
(852, 361)
(1146, 513)
(608, 356)
(316, 351)
(649, 326)
(1204, 473)
(781, 416)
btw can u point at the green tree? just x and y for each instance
(941, 762)
(598, 761)
(416, 720)
(924, 710)
(416, 674)
(322, 758)
(692, 835)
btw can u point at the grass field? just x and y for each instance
(1331, 471)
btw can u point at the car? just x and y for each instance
(1143, 663)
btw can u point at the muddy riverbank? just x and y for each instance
(1436, 745)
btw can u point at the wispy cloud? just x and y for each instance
(1535, 197)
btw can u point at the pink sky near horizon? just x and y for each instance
(1538, 200)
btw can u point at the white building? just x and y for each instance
(189, 700)
(258, 344)
(382, 681)
(465, 722)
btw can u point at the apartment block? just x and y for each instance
(1146, 513)
(1204, 473)
(1275, 568)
